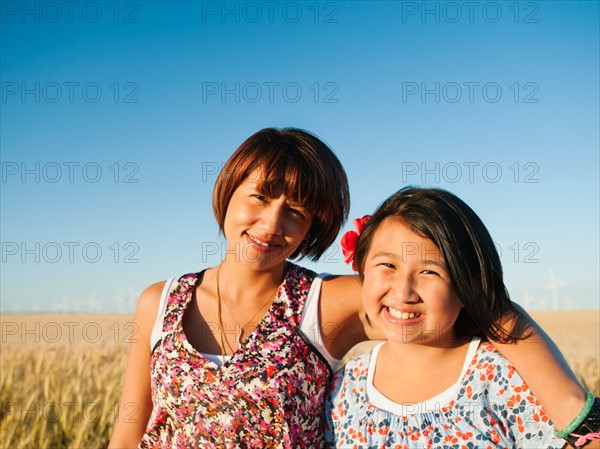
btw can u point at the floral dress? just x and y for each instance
(269, 394)
(489, 407)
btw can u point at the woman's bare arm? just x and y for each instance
(135, 405)
(540, 363)
(342, 317)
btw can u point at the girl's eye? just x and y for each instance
(387, 265)
(430, 272)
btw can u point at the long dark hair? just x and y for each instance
(469, 252)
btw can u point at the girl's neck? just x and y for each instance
(410, 373)
(425, 354)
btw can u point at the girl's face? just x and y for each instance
(407, 292)
(263, 231)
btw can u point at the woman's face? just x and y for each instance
(407, 291)
(261, 230)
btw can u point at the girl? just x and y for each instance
(432, 284)
(239, 355)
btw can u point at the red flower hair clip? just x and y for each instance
(350, 239)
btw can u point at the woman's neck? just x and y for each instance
(242, 283)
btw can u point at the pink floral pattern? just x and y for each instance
(270, 394)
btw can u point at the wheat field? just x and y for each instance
(60, 375)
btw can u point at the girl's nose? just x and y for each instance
(403, 289)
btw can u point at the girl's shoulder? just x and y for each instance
(359, 361)
(348, 386)
(488, 358)
(491, 373)
(355, 370)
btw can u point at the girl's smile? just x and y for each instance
(407, 290)
(397, 316)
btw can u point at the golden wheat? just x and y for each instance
(63, 392)
(57, 397)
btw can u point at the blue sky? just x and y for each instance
(116, 116)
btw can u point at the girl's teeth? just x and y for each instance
(403, 315)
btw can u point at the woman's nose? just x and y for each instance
(272, 220)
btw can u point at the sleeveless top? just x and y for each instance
(269, 394)
(489, 406)
(309, 323)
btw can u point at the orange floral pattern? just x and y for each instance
(493, 408)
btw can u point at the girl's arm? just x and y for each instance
(135, 405)
(544, 369)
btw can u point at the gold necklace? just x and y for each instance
(220, 322)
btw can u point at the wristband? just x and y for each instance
(578, 420)
(589, 427)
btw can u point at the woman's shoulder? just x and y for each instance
(149, 301)
(147, 309)
(299, 272)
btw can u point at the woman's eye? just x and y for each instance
(430, 272)
(260, 198)
(296, 213)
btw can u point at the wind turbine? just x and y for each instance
(133, 296)
(62, 306)
(554, 283)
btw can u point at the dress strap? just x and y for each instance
(157, 330)
(310, 324)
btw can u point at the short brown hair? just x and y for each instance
(309, 172)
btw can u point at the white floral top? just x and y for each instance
(489, 407)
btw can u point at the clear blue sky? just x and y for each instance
(115, 118)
